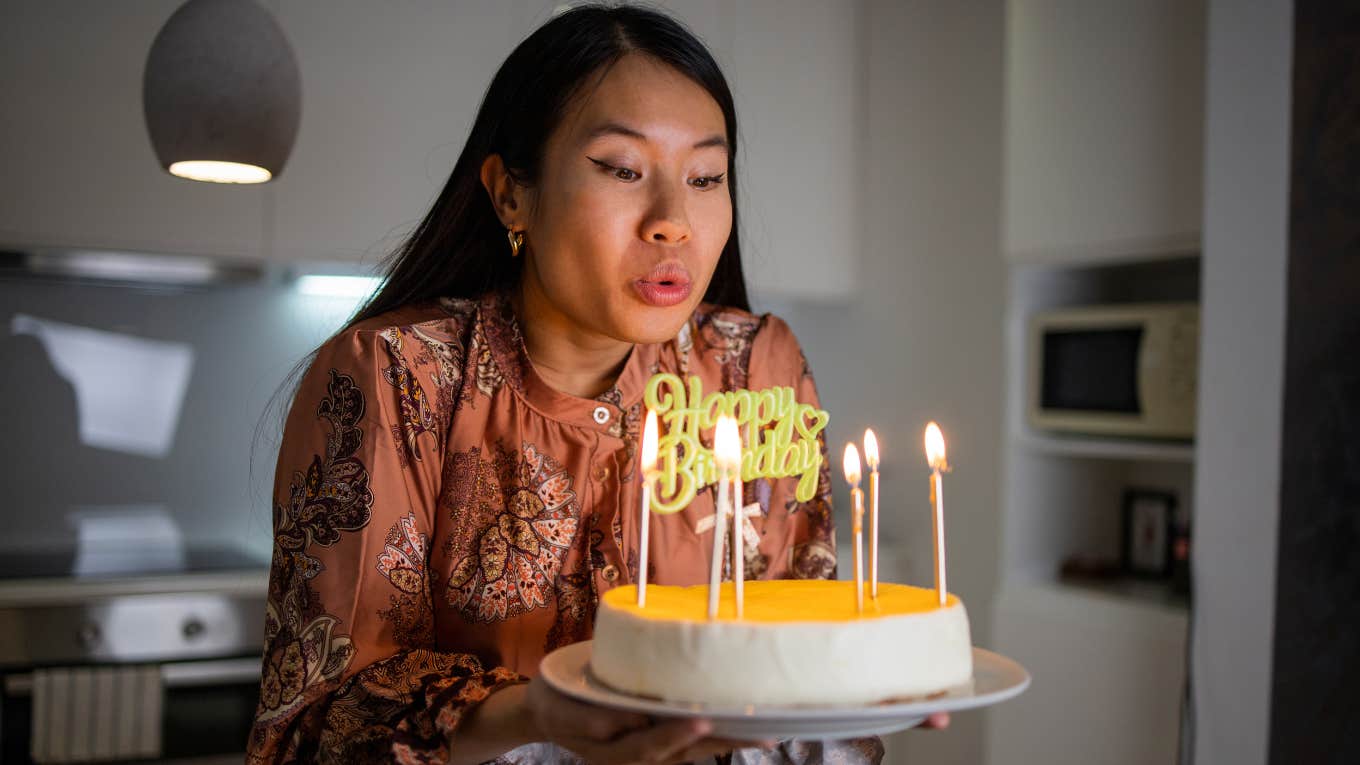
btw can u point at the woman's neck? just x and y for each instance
(571, 360)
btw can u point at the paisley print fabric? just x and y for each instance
(509, 566)
(304, 648)
(402, 562)
(443, 519)
(417, 413)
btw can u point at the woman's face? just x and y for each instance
(632, 209)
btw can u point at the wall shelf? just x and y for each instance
(1154, 594)
(1118, 606)
(1107, 448)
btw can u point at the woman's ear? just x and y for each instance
(508, 197)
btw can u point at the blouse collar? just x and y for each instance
(604, 413)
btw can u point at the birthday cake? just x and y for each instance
(799, 642)
(767, 642)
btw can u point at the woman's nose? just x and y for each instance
(667, 220)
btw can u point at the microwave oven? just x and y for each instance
(1116, 370)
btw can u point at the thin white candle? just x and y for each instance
(852, 475)
(935, 455)
(648, 475)
(871, 457)
(937, 531)
(747, 442)
(727, 455)
(719, 529)
(738, 539)
(726, 452)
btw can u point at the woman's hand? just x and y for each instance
(938, 720)
(611, 737)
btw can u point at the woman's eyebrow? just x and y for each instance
(614, 128)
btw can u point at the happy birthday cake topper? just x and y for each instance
(770, 417)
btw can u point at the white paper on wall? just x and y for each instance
(129, 390)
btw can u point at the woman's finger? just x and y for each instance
(600, 724)
(938, 720)
(567, 717)
(658, 743)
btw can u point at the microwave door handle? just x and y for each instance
(1146, 373)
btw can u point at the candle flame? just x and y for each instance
(649, 442)
(727, 444)
(852, 465)
(871, 448)
(935, 454)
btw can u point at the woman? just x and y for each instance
(457, 480)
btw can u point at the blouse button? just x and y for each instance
(610, 572)
(601, 415)
(602, 473)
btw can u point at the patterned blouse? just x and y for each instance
(443, 519)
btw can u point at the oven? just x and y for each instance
(162, 667)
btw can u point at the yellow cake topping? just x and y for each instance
(777, 600)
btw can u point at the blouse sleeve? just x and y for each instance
(351, 673)
(777, 360)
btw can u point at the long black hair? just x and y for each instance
(460, 248)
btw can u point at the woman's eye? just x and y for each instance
(708, 181)
(622, 173)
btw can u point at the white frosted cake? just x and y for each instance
(799, 642)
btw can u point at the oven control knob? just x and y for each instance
(89, 635)
(193, 627)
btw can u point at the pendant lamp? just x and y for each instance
(221, 93)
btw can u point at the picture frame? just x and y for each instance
(1148, 532)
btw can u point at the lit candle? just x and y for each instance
(857, 502)
(871, 457)
(649, 449)
(723, 437)
(935, 455)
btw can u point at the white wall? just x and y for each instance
(923, 340)
(1242, 369)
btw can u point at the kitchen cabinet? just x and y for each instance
(389, 95)
(1103, 129)
(1108, 679)
(78, 166)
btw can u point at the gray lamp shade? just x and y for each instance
(221, 93)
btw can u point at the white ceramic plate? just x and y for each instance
(995, 679)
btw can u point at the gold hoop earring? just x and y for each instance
(516, 241)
